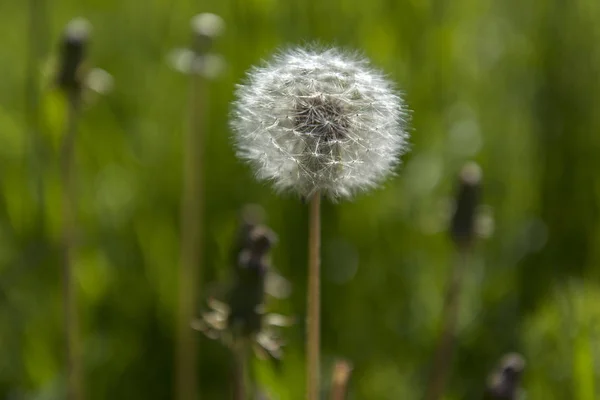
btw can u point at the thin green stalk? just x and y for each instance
(443, 356)
(191, 241)
(313, 343)
(67, 157)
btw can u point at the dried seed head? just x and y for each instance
(467, 200)
(319, 120)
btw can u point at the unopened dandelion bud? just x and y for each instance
(319, 121)
(253, 254)
(73, 51)
(248, 295)
(467, 201)
(198, 59)
(206, 27)
(503, 383)
(262, 240)
(243, 315)
(251, 216)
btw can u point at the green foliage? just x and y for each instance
(509, 84)
(563, 336)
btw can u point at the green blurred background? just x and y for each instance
(512, 85)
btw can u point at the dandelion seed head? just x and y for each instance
(319, 120)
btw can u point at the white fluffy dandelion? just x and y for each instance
(319, 121)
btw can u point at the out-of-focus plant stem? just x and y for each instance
(70, 79)
(67, 161)
(192, 203)
(240, 371)
(36, 49)
(463, 232)
(443, 355)
(339, 383)
(314, 299)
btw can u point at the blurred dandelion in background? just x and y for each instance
(504, 381)
(240, 321)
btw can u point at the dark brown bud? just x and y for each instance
(247, 296)
(206, 27)
(503, 383)
(467, 200)
(262, 240)
(72, 54)
(251, 216)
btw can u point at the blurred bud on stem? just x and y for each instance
(198, 59)
(463, 225)
(242, 316)
(206, 27)
(251, 216)
(73, 51)
(503, 383)
(247, 298)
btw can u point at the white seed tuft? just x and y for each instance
(319, 120)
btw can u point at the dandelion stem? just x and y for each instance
(341, 376)
(314, 298)
(74, 379)
(191, 239)
(240, 371)
(443, 356)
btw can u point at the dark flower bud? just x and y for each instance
(252, 215)
(503, 383)
(462, 227)
(246, 299)
(72, 54)
(261, 241)
(242, 314)
(206, 27)
(198, 59)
